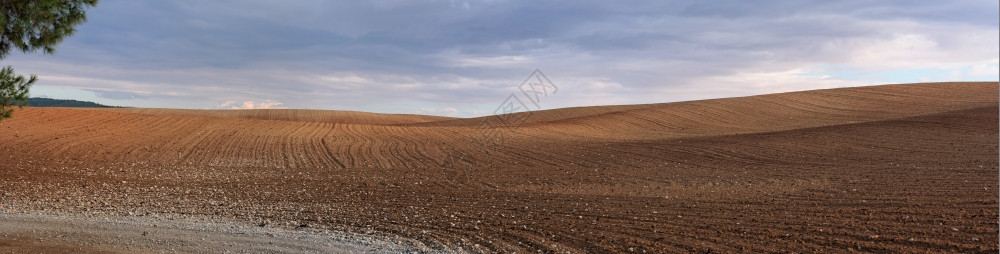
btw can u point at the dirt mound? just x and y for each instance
(896, 168)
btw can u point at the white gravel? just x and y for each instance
(146, 234)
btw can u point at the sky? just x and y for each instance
(464, 58)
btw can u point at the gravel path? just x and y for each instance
(20, 233)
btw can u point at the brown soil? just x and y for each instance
(302, 115)
(896, 168)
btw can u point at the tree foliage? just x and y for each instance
(29, 26)
(13, 91)
(64, 103)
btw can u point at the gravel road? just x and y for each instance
(21, 233)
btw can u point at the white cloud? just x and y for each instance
(986, 69)
(455, 59)
(267, 104)
(346, 78)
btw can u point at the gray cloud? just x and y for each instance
(428, 56)
(116, 95)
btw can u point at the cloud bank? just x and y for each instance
(461, 58)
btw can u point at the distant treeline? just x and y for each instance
(46, 102)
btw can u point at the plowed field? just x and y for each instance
(894, 168)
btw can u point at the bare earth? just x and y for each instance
(895, 168)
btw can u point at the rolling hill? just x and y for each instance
(891, 168)
(48, 102)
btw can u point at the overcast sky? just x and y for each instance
(463, 58)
